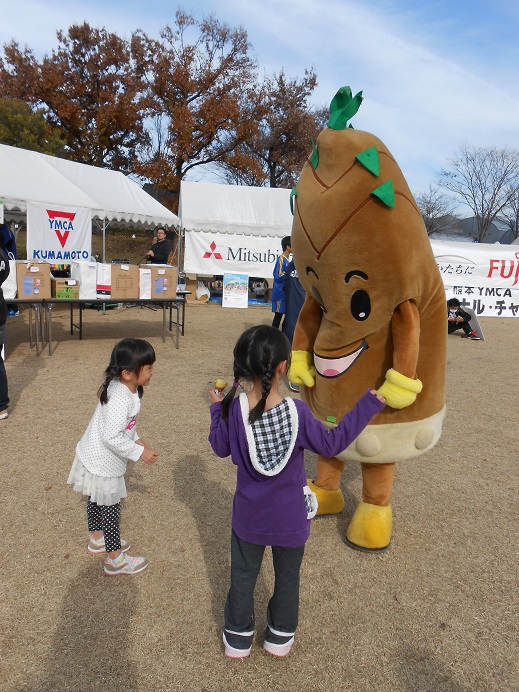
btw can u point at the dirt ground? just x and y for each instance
(437, 611)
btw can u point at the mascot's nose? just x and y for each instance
(318, 298)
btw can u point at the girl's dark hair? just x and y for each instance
(257, 354)
(129, 354)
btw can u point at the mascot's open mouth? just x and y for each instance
(334, 367)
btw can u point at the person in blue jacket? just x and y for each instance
(278, 292)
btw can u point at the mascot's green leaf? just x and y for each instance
(314, 156)
(386, 193)
(343, 107)
(369, 159)
(293, 194)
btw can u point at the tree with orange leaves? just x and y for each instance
(89, 91)
(201, 86)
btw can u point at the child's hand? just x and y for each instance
(379, 396)
(149, 456)
(215, 397)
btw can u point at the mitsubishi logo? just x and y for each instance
(214, 254)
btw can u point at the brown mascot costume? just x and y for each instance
(374, 314)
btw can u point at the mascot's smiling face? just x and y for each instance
(356, 235)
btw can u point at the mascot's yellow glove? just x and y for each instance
(302, 369)
(398, 390)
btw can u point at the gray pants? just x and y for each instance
(283, 607)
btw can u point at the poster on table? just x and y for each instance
(216, 253)
(482, 276)
(235, 290)
(58, 234)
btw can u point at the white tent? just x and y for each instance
(27, 176)
(233, 228)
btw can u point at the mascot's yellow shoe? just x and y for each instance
(328, 501)
(370, 527)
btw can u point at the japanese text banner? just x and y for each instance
(483, 277)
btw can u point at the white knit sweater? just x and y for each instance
(110, 439)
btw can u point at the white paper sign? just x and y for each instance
(104, 280)
(235, 291)
(144, 283)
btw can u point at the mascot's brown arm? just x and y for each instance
(307, 325)
(405, 327)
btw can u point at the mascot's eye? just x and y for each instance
(360, 305)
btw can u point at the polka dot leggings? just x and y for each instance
(105, 518)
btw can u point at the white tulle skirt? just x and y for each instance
(100, 489)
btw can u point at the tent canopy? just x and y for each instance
(236, 209)
(27, 176)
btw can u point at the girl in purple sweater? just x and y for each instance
(266, 436)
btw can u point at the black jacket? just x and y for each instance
(160, 252)
(459, 313)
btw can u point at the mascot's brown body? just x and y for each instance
(374, 315)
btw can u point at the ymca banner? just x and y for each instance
(483, 277)
(219, 253)
(58, 233)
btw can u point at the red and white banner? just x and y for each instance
(219, 253)
(483, 277)
(58, 233)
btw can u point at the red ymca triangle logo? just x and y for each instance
(62, 220)
(62, 237)
(214, 254)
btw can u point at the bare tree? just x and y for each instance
(511, 212)
(437, 209)
(482, 178)
(275, 154)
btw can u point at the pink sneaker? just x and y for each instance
(231, 652)
(128, 565)
(279, 650)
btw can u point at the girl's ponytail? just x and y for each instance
(111, 373)
(266, 385)
(226, 401)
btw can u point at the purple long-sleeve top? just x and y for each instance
(269, 505)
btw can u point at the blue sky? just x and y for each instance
(435, 74)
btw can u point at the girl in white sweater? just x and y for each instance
(103, 452)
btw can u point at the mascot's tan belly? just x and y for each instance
(366, 264)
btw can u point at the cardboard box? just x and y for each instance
(125, 282)
(158, 281)
(64, 289)
(33, 280)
